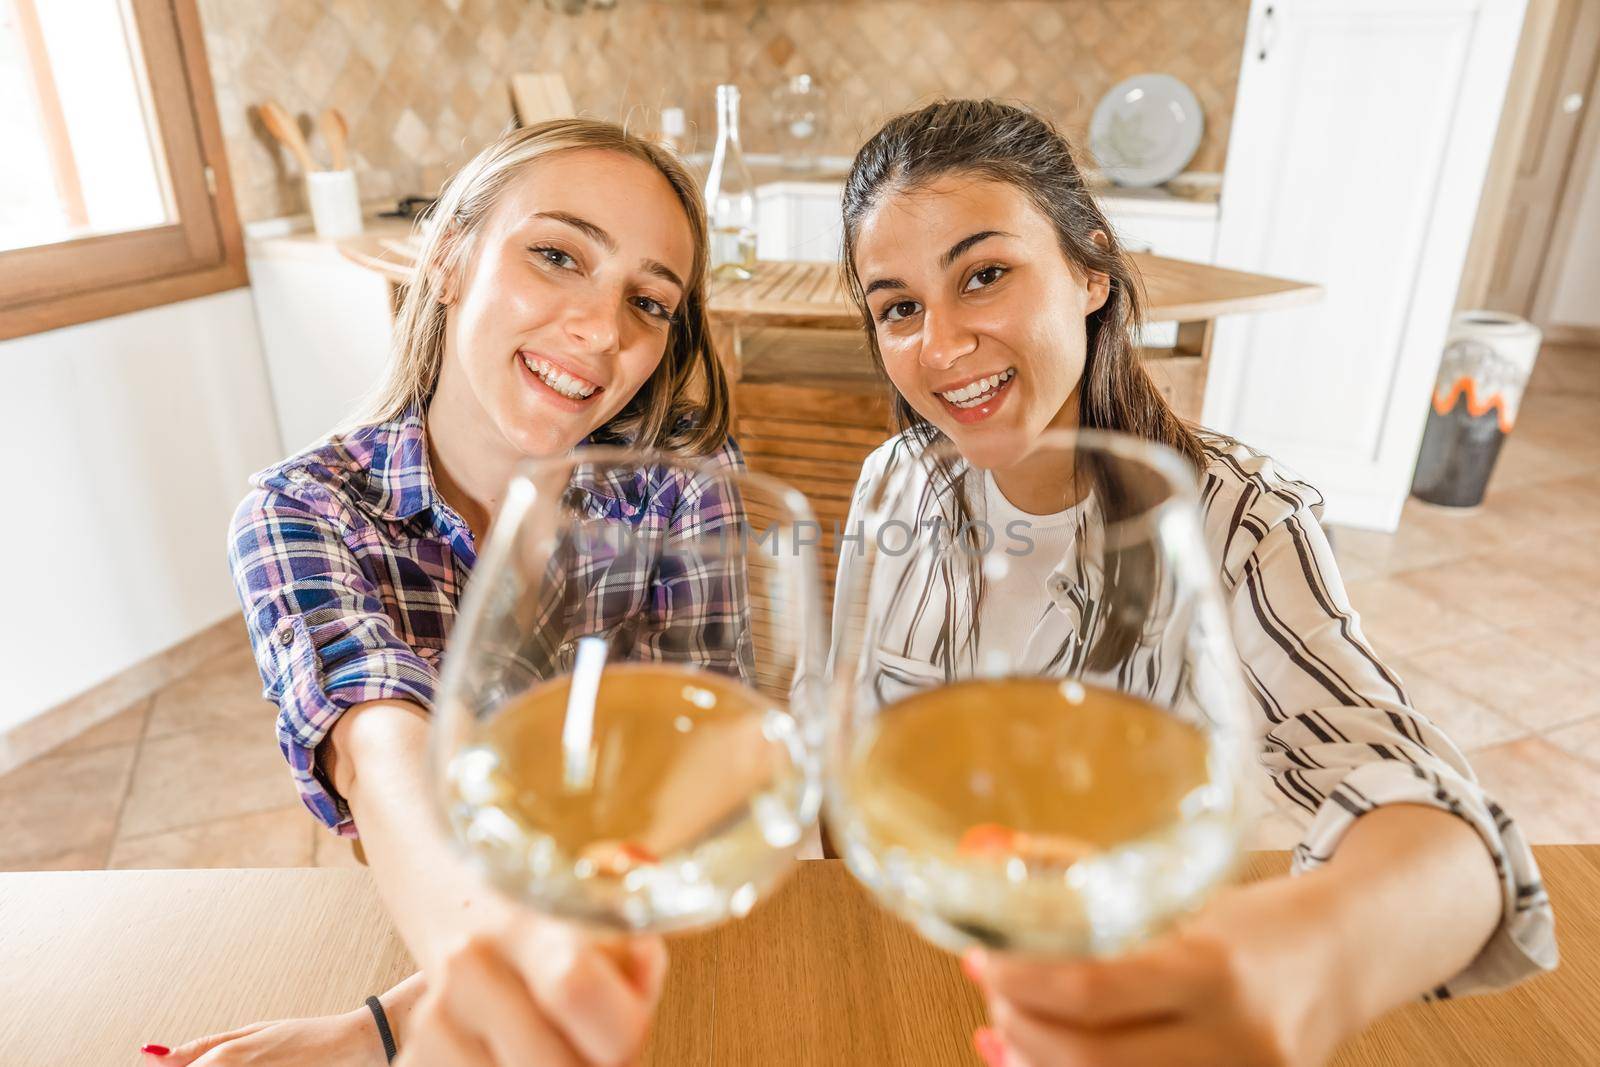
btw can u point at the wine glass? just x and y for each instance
(628, 727)
(1037, 739)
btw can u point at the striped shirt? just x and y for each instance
(350, 569)
(1337, 733)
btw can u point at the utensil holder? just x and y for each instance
(335, 205)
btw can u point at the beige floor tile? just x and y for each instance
(1399, 618)
(331, 850)
(1577, 444)
(1571, 505)
(226, 690)
(1500, 597)
(1469, 723)
(1459, 533)
(123, 728)
(1517, 678)
(187, 778)
(1567, 563)
(1566, 371)
(1571, 636)
(1552, 794)
(58, 804)
(1582, 741)
(1428, 535)
(1365, 554)
(277, 838)
(1529, 460)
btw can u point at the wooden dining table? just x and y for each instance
(788, 293)
(95, 964)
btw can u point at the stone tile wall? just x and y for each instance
(425, 83)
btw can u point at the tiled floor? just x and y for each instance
(1492, 617)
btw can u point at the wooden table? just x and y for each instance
(812, 295)
(785, 293)
(95, 964)
(1176, 290)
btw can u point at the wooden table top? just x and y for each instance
(95, 964)
(812, 294)
(1176, 290)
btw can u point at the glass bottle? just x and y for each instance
(800, 115)
(731, 196)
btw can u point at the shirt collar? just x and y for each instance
(400, 479)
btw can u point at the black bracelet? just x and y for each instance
(385, 1035)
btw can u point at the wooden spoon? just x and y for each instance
(284, 128)
(335, 131)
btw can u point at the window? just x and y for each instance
(114, 193)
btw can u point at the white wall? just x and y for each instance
(1575, 295)
(125, 445)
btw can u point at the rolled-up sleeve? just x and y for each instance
(322, 639)
(1340, 737)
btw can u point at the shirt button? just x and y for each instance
(286, 635)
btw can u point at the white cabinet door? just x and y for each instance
(325, 333)
(799, 221)
(1360, 139)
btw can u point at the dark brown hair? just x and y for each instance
(995, 141)
(1001, 142)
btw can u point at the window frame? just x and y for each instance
(46, 287)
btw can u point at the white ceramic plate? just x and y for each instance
(1145, 130)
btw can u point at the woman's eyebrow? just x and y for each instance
(583, 226)
(665, 273)
(967, 242)
(944, 261)
(609, 243)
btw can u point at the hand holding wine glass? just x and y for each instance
(624, 739)
(1038, 737)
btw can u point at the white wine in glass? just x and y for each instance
(1038, 741)
(625, 734)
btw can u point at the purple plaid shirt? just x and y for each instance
(350, 569)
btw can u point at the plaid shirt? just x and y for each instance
(350, 569)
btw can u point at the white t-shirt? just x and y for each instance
(1016, 607)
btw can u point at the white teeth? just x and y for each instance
(559, 380)
(975, 393)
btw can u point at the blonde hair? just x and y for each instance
(656, 416)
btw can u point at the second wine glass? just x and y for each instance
(1038, 738)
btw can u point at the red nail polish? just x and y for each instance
(156, 1050)
(989, 1046)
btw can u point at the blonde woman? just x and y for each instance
(560, 300)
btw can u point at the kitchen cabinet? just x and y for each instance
(1360, 139)
(324, 329)
(799, 220)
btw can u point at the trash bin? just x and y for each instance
(1485, 368)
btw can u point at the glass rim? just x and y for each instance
(617, 456)
(1178, 480)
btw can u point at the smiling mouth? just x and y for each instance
(559, 380)
(975, 394)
